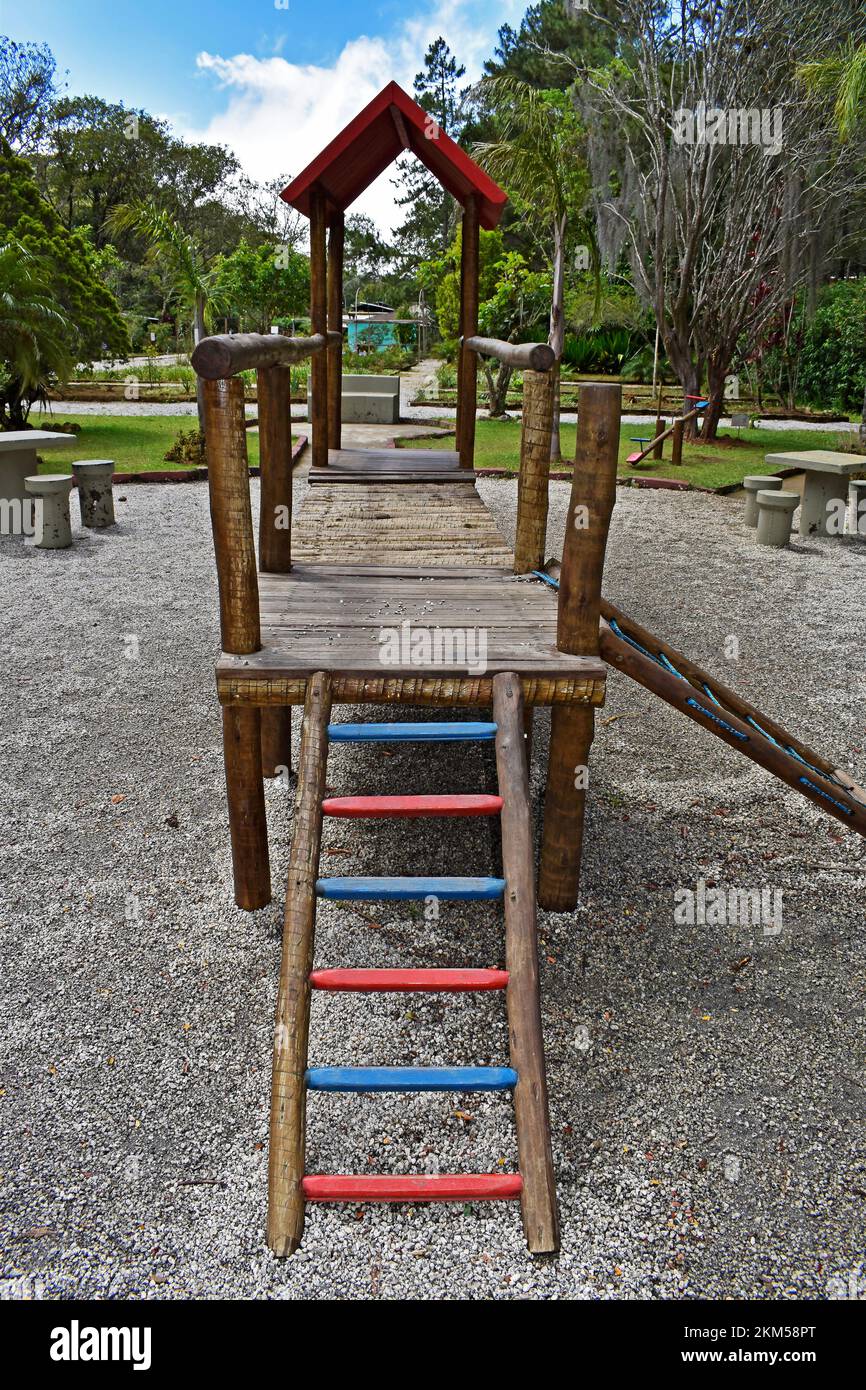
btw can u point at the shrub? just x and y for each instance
(833, 359)
(188, 447)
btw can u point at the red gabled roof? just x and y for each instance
(390, 124)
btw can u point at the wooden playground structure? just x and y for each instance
(384, 532)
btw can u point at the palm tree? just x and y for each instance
(193, 282)
(538, 157)
(844, 79)
(33, 330)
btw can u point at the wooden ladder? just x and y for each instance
(289, 1186)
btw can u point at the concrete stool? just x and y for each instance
(93, 478)
(752, 486)
(857, 507)
(775, 514)
(52, 490)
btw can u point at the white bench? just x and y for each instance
(367, 400)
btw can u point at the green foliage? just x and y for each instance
(188, 447)
(389, 360)
(550, 41)
(602, 350)
(27, 90)
(259, 285)
(833, 356)
(843, 79)
(31, 325)
(100, 155)
(609, 304)
(538, 157)
(87, 321)
(429, 219)
(511, 296)
(639, 366)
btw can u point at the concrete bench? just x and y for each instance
(367, 400)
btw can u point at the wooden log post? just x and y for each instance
(226, 354)
(468, 382)
(659, 445)
(677, 443)
(292, 1025)
(536, 357)
(275, 533)
(458, 422)
(526, 1039)
(275, 456)
(593, 492)
(319, 325)
(534, 476)
(231, 518)
(335, 327)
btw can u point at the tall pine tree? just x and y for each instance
(428, 227)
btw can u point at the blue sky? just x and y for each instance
(273, 83)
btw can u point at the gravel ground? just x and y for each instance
(706, 1082)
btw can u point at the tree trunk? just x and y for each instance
(716, 375)
(556, 337)
(497, 388)
(863, 426)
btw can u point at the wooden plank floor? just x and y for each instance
(390, 466)
(438, 524)
(423, 637)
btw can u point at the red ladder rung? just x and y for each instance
(431, 981)
(439, 1187)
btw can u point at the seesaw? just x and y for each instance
(675, 428)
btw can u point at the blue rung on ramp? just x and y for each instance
(410, 889)
(411, 1078)
(454, 731)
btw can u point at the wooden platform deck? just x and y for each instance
(404, 593)
(405, 634)
(391, 466)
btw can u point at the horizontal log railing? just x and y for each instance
(533, 357)
(226, 354)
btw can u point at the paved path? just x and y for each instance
(420, 378)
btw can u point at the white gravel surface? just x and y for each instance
(707, 1083)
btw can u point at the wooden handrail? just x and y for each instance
(534, 357)
(226, 354)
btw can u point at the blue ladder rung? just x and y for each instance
(410, 889)
(411, 1078)
(450, 732)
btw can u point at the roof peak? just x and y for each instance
(393, 122)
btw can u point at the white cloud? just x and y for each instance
(278, 115)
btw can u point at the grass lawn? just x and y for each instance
(497, 445)
(137, 443)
